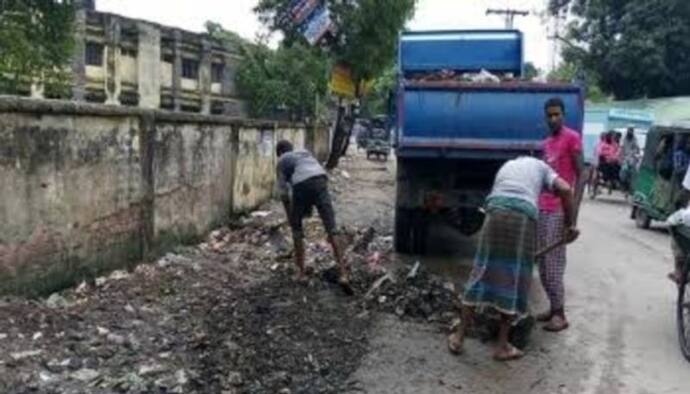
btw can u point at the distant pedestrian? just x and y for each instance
(629, 156)
(502, 271)
(303, 184)
(609, 160)
(563, 152)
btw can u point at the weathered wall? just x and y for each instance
(318, 141)
(90, 188)
(71, 197)
(193, 174)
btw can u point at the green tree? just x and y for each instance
(571, 72)
(636, 48)
(376, 102)
(36, 41)
(286, 82)
(530, 71)
(365, 40)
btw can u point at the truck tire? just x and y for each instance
(410, 231)
(403, 231)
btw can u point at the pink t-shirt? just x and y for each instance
(561, 153)
(609, 151)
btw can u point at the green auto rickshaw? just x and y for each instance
(657, 187)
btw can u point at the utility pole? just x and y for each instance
(556, 37)
(508, 13)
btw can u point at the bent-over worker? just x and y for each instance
(502, 271)
(300, 173)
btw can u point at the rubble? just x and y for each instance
(223, 316)
(228, 305)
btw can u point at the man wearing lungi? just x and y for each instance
(300, 173)
(502, 271)
(563, 152)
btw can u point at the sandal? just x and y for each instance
(544, 316)
(552, 326)
(513, 354)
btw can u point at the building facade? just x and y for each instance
(124, 61)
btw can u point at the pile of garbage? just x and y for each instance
(223, 316)
(414, 294)
(482, 76)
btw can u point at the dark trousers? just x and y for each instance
(306, 195)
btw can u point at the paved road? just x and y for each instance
(622, 337)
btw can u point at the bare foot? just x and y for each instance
(455, 341)
(556, 324)
(508, 353)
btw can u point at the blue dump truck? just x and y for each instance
(461, 109)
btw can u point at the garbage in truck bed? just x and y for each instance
(482, 76)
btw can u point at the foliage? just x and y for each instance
(530, 71)
(36, 43)
(636, 48)
(568, 72)
(377, 101)
(278, 83)
(366, 31)
(364, 39)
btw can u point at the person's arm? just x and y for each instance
(579, 162)
(561, 188)
(565, 193)
(283, 186)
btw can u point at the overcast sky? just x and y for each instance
(431, 14)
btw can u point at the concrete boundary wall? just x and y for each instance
(90, 188)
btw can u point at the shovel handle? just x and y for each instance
(549, 248)
(568, 238)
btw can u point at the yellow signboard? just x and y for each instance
(342, 84)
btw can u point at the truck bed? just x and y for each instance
(458, 119)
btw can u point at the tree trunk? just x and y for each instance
(348, 123)
(339, 134)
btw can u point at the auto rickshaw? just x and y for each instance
(657, 189)
(379, 144)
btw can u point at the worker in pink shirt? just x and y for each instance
(563, 152)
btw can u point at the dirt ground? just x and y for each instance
(227, 317)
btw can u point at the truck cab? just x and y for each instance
(461, 110)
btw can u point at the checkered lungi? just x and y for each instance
(502, 271)
(552, 265)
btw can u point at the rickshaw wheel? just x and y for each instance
(593, 191)
(683, 313)
(642, 219)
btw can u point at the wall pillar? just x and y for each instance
(149, 67)
(228, 85)
(79, 56)
(113, 77)
(205, 76)
(177, 71)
